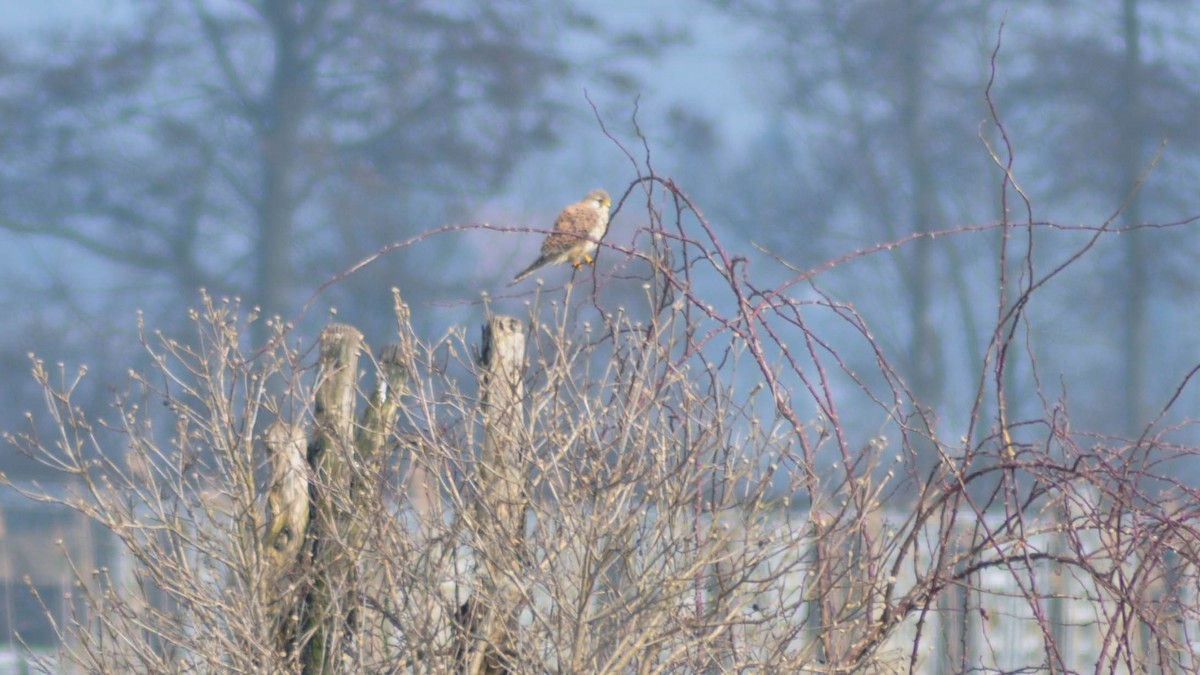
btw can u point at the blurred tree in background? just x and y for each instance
(256, 148)
(889, 122)
(876, 135)
(1106, 89)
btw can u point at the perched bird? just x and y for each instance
(576, 231)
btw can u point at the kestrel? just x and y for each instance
(577, 230)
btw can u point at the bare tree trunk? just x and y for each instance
(923, 359)
(1135, 290)
(278, 131)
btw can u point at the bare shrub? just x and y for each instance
(668, 485)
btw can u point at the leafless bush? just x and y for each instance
(669, 487)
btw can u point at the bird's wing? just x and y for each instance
(576, 219)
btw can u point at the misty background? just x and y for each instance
(258, 149)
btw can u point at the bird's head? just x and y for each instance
(599, 198)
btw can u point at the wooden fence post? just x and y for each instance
(287, 530)
(488, 618)
(331, 447)
(319, 511)
(373, 438)
(319, 507)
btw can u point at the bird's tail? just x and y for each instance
(542, 260)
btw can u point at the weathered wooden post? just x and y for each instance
(373, 439)
(333, 579)
(319, 505)
(380, 415)
(488, 618)
(287, 529)
(287, 495)
(342, 462)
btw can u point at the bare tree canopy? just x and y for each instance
(233, 145)
(255, 149)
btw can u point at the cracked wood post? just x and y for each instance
(499, 523)
(287, 527)
(287, 494)
(329, 453)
